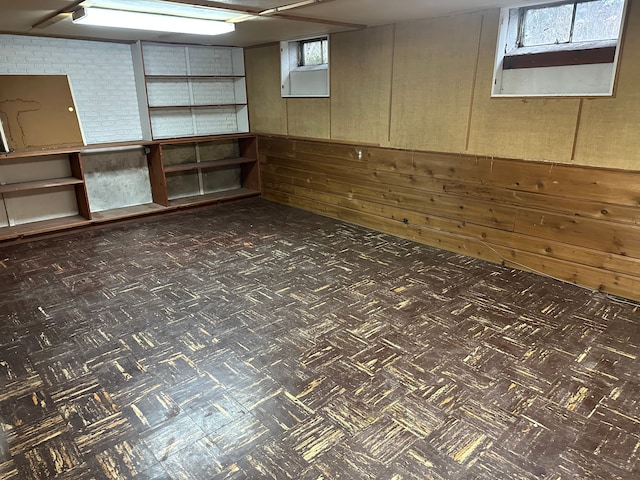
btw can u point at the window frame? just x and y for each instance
(510, 56)
(558, 54)
(522, 11)
(301, 55)
(303, 80)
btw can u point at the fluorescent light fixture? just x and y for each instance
(241, 18)
(164, 7)
(103, 17)
(290, 6)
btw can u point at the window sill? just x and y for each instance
(310, 68)
(588, 53)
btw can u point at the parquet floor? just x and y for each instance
(255, 341)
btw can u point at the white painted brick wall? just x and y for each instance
(192, 60)
(162, 92)
(180, 122)
(210, 61)
(220, 120)
(164, 59)
(219, 91)
(172, 123)
(101, 76)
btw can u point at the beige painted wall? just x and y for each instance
(426, 85)
(267, 109)
(433, 78)
(363, 58)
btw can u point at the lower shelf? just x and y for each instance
(126, 212)
(65, 223)
(44, 226)
(234, 194)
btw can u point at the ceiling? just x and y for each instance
(52, 18)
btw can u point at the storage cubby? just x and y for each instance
(118, 182)
(41, 193)
(192, 90)
(202, 171)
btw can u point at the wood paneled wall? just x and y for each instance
(426, 85)
(578, 224)
(546, 184)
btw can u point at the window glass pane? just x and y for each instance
(598, 20)
(312, 53)
(325, 51)
(547, 25)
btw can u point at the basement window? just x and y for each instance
(313, 52)
(559, 49)
(304, 67)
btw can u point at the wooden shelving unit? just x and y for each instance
(232, 156)
(238, 164)
(42, 192)
(187, 91)
(196, 150)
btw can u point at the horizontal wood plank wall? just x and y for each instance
(578, 224)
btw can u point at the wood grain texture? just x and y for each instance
(257, 341)
(608, 132)
(248, 148)
(579, 224)
(309, 117)
(157, 176)
(431, 91)
(38, 112)
(267, 109)
(528, 128)
(361, 84)
(82, 197)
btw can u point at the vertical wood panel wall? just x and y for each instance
(426, 85)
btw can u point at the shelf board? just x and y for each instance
(215, 137)
(226, 195)
(188, 77)
(43, 226)
(182, 167)
(133, 143)
(39, 153)
(39, 184)
(126, 212)
(179, 107)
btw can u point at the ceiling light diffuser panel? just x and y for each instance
(164, 8)
(150, 21)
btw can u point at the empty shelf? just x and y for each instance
(39, 184)
(44, 226)
(125, 212)
(226, 195)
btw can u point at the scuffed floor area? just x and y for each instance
(252, 340)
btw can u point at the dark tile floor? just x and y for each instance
(255, 341)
